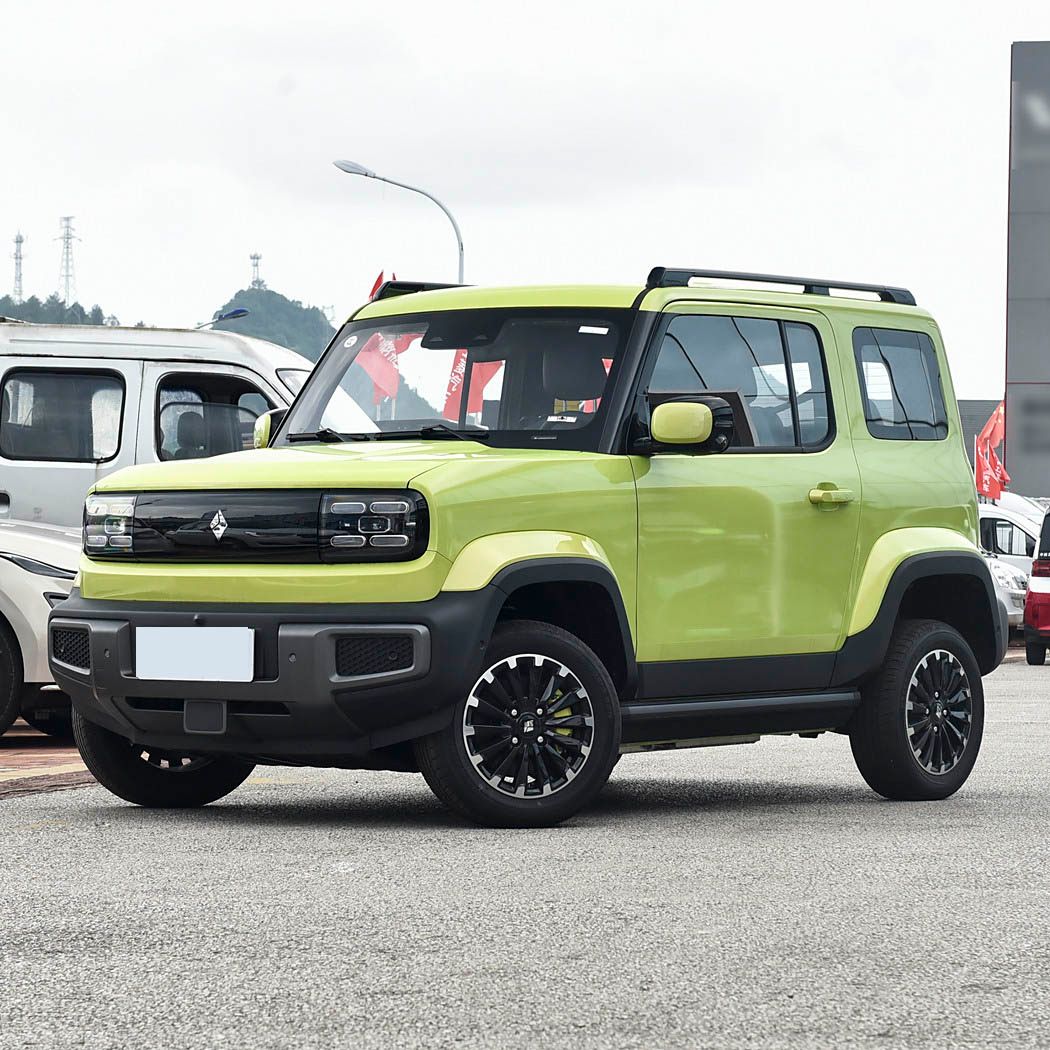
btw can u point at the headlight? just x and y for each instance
(108, 522)
(373, 526)
(1008, 576)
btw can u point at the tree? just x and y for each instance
(51, 311)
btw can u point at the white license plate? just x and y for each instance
(195, 654)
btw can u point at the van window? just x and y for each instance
(71, 417)
(746, 360)
(206, 414)
(1003, 537)
(901, 385)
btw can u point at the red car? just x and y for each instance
(1037, 603)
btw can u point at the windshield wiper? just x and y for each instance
(324, 434)
(440, 429)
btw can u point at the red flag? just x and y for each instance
(480, 375)
(989, 473)
(377, 358)
(376, 286)
(987, 482)
(993, 432)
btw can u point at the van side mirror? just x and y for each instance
(266, 426)
(696, 426)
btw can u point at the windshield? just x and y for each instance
(513, 377)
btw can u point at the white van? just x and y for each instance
(1010, 534)
(79, 402)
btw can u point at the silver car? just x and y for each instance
(37, 565)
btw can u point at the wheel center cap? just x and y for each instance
(528, 725)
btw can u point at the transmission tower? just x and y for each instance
(67, 287)
(257, 281)
(19, 241)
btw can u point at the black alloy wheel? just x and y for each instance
(939, 712)
(528, 725)
(535, 737)
(917, 732)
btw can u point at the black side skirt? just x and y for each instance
(657, 720)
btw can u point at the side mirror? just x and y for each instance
(681, 423)
(266, 426)
(694, 425)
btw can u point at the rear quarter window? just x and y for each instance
(900, 383)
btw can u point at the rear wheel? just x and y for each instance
(1035, 653)
(536, 737)
(155, 777)
(920, 723)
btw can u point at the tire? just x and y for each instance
(11, 683)
(152, 777)
(905, 747)
(524, 772)
(1035, 653)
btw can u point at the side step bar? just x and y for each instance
(655, 720)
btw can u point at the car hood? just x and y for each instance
(50, 544)
(376, 464)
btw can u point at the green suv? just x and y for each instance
(581, 522)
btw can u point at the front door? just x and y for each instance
(740, 556)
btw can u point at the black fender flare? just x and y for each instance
(865, 651)
(576, 570)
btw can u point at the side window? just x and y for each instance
(71, 417)
(1009, 539)
(900, 383)
(1003, 537)
(771, 372)
(206, 414)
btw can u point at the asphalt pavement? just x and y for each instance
(749, 896)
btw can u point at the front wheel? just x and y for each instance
(535, 739)
(917, 732)
(154, 777)
(1035, 653)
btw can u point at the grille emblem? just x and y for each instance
(218, 525)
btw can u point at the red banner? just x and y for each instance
(989, 473)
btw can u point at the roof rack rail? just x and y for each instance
(388, 289)
(664, 277)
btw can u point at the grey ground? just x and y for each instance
(735, 897)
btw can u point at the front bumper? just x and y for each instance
(298, 705)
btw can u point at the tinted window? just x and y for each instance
(900, 382)
(745, 360)
(68, 416)
(200, 415)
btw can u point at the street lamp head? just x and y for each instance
(352, 168)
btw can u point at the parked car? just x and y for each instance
(581, 521)
(37, 566)
(78, 402)
(1037, 601)
(1009, 535)
(1011, 586)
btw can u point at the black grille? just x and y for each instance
(72, 645)
(361, 654)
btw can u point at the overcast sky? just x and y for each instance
(574, 141)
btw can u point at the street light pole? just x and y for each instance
(352, 168)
